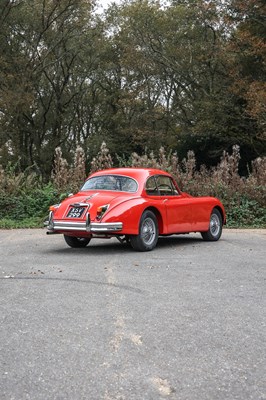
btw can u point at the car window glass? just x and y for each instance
(111, 182)
(166, 186)
(151, 187)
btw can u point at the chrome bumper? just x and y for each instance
(93, 227)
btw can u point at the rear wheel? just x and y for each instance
(76, 241)
(147, 238)
(215, 227)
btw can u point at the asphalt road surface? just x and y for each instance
(186, 321)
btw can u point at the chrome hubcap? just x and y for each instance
(215, 225)
(148, 231)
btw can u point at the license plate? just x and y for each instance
(75, 212)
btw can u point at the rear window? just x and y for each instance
(115, 183)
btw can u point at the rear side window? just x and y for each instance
(151, 187)
(165, 186)
(160, 186)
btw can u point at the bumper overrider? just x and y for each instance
(83, 226)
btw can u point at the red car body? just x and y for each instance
(130, 202)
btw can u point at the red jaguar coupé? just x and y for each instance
(135, 205)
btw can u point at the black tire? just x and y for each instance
(215, 227)
(76, 241)
(147, 238)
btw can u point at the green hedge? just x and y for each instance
(26, 209)
(29, 208)
(245, 213)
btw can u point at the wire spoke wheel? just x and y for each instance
(148, 231)
(215, 227)
(147, 238)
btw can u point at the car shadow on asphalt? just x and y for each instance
(109, 246)
(178, 240)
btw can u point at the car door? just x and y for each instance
(178, 206)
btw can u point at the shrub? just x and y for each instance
(34, 204)
(103, 160)
(24, 196)
(244, 212)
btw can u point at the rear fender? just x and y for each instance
(129, 213)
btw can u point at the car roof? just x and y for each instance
(136, 173)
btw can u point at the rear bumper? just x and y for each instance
(86, 226)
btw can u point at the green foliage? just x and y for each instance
(8, 223)
(189, 75)
(244, 212)
(25, 205)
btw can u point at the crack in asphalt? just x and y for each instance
(108, 284)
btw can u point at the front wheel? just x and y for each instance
(147, 238)
(215, 227)
(76, 241)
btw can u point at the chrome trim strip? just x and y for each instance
(69, 225)
(50, 225)
(79, 205)
(106, 226)
(88, 222)
(86, 226)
